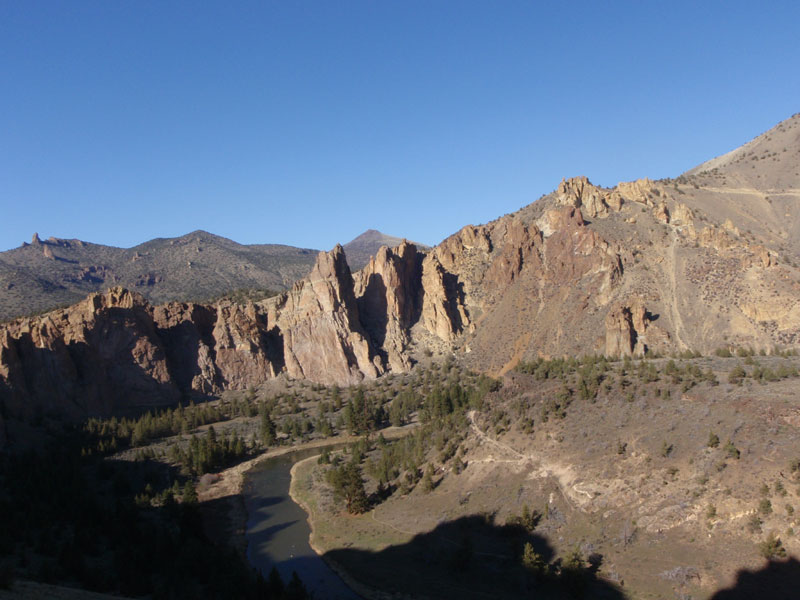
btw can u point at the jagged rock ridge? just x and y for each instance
(640, 267)
(46, 273)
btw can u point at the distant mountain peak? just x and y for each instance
(371, 234)
(362, 247)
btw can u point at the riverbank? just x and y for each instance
(301, 490)
(221, 494)
(231, 481)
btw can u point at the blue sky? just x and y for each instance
(306, 123)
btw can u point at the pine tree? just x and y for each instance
(267, 428)
(296, 590)
(189, 493)
(275, 585)
(349, 485)
(427, 480)
(533, 562)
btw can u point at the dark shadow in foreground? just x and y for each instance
(472, 557)
(778, 580)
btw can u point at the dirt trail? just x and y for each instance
(724, 190)
(563, 476)
(673, 300)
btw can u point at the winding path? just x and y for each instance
(677, 320)
(563, 476)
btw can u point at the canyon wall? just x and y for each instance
(643, 274)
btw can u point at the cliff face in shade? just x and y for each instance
(389, 290)
(661, 266)
(93, 357)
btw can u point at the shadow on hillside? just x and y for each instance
(778, 580)
(472, 557)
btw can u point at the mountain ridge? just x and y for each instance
(641, 268)
(47, 273)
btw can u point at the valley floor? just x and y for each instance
(633, 477)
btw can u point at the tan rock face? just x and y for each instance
(682, 215)
(620, 332)
(186, 330)
(640, 191)
(323, 339)
(726, 240)
(470, 239)
(629, 330)
(211, 348)
(762, 255)
(578, 192)
(661, 213)
(545, 281)
(388, 291)
(716, 238)
(443, 311)
(243, 346)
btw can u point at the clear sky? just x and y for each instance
(306, 123)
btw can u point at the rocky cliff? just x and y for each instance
(645, 266)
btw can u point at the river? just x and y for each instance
(277, 530)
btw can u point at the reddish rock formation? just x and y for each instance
(322, 335)
(443, 312)
(620, 333)
(96, 357)
(578, 192)
(661, 213)
(544, 281)
(629, 331)
(522, 245)
(388, 301)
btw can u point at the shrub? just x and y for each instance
(772, 547)
(666, 449)
(765, 506)
(737, 374)
(731, 450)
(754, 524)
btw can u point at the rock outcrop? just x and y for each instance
(322, 336)
(578, 192)
(388, 290)
(522, 245)
(223, 346)
(629, 330)
(575, 274)
(640, 191)
(661, 213)
(443, 312)
(99, 356)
